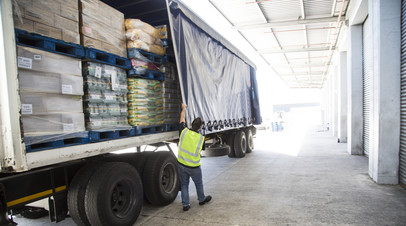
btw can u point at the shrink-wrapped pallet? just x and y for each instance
(105, 98)
(145, 106)
(51, 90)
(57, 19)
(102, 27)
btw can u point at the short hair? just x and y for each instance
(196, 124)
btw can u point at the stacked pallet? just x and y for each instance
(144, 102)
(105, 99)
(57, 19)
(171, 94)
(102, 27)
(51, 89)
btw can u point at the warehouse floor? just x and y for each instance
(302, 177)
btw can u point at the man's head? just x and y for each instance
(196, 124)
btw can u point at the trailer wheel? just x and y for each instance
(230, 142)
(32, 212)
(216, 150)
(114, 195)
(160, 178)
(240, 144)
(250, 140)
(76, 194)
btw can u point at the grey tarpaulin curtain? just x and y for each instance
(216, 83)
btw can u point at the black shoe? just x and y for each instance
(206, 200)
(186, 208)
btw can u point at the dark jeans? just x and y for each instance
(196, 174)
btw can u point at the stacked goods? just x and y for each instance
(144, 102)
(105, 100)
(102, 27)
(57, 19)
(51, 90)
(171, 94)
(143, 36)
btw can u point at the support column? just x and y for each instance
(342, 98)
(384, 157)
(334, 102)
(354, 91)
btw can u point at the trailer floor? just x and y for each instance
(291, 178)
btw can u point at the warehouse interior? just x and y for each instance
(336, 67)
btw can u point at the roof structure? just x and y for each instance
(296, 38)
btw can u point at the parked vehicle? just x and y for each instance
(84, 177)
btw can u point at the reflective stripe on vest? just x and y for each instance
(190, 145)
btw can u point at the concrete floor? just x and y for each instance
(302, 177)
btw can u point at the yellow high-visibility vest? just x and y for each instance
(190, 145)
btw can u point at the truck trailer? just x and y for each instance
(86, 179)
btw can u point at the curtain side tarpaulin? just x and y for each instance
(216, 84)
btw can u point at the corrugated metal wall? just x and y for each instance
(368, 71)
(402, 157)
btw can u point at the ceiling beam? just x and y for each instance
(289, 23)
(312, 49)
(302, 9)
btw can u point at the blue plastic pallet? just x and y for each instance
(145, 130)
(134, 53)
(106, 58)
(149, 74)
(172, 127)
(56, 144)
(98, 136)
(37, 41)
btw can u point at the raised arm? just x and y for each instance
(182, 113)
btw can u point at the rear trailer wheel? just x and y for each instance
(76, 194)
(216, 150)
(240, 144)
(250, 141)
(160, 178)
(230, 142)
(114, 195)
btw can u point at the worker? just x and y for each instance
(190, 145)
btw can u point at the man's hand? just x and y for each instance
(182, 113)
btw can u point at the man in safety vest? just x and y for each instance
(189, 147)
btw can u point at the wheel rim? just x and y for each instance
(168, 177)
(122, 198)
(244, 144)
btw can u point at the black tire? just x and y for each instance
(230, 142)
(137, 160)
(114, 195)
(32, 212)
(250, 140)
(240, 144)
(161, 179)
(217, 150)
(76, 194)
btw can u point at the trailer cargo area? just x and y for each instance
(78, 81)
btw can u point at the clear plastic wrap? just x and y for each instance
(48, 124)
(138, 34)
(138, 24)
(144, 102)
(139, 44)
(102, 27)
(42, 103)
(39, 60)
(45, 82)
(105, 99)
(55, 19)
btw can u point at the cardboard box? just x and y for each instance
(49, 124)
(51, 18)
(44, 103)
(102, 27)
(46, 82)
(43, 61)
